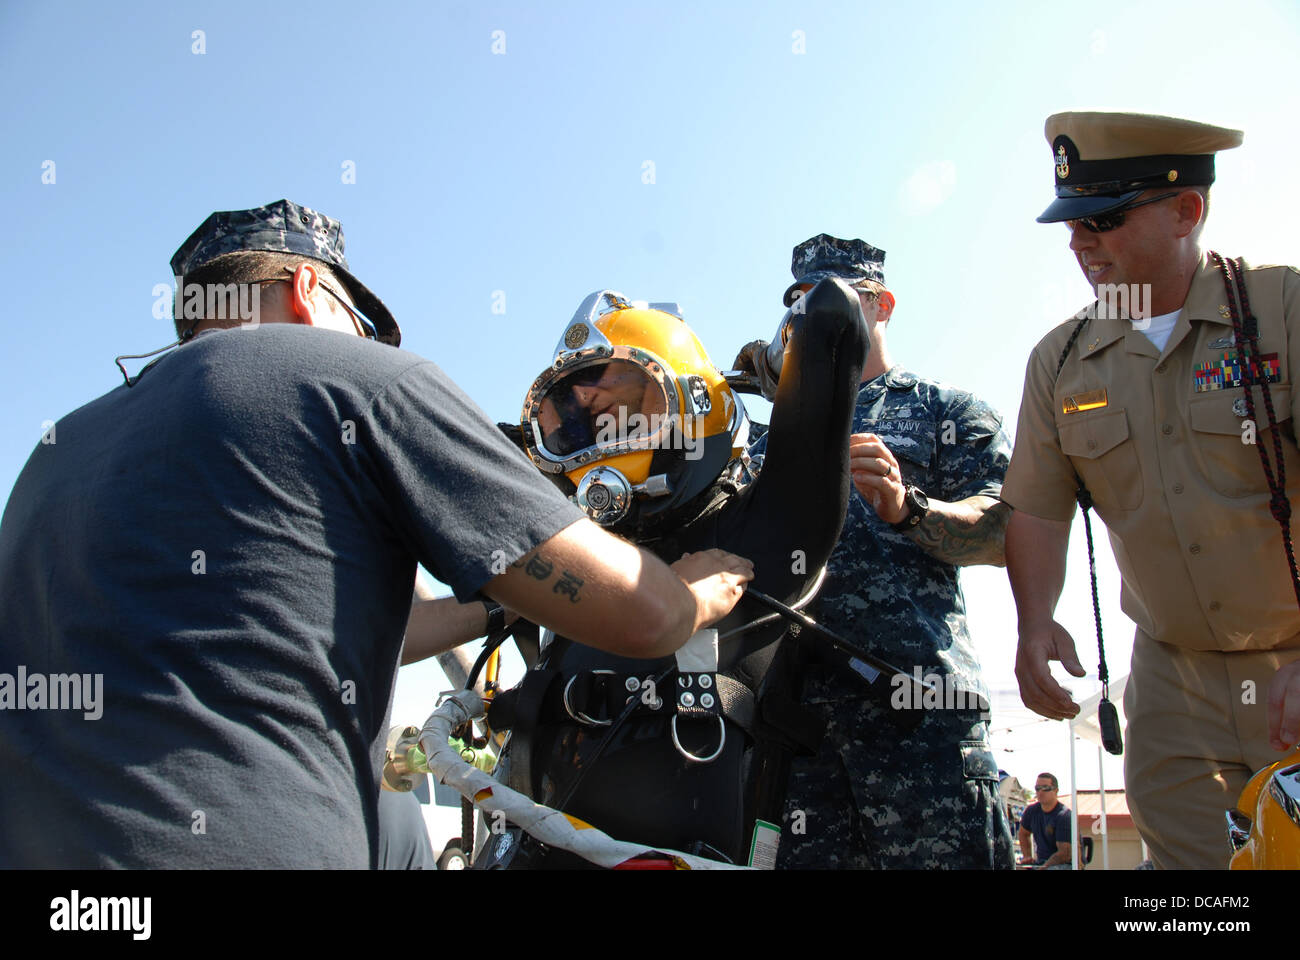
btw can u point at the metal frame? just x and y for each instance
(1284, 787)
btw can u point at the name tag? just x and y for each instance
(1082, 402)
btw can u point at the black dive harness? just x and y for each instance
(605, 700)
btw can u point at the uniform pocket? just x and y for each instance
(912, 442)
(1220, 444)
(1105, 457)
(977, 761)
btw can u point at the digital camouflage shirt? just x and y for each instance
(882, 591)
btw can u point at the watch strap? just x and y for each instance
(915, 511)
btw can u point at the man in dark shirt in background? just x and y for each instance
(1047, 823)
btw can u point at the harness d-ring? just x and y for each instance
(722, 742)
(578, 714)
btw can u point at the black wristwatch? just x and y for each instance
(918, 505)
(496, 616)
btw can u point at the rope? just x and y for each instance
(1245, 332)
(1084, 498)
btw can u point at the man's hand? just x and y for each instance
(753, 359)
(717, 580)
(1284, 707)
(877, 477)
(965, 533)
(1039, 645)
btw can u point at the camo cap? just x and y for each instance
(283, 227)
(826, 256)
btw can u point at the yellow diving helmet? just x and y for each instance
(634, 414)
(1268, 837)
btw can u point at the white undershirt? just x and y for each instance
(1160, 327)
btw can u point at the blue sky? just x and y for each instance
(917, 127)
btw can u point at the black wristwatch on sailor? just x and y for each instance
(917, 504)
(496, 617)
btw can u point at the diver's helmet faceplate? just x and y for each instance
(631, 390)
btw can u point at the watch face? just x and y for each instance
(918, 505)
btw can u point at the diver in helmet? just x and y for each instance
(639, 427)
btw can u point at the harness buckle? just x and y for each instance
(695, 758)
(578, 715)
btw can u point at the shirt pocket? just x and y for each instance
(977, 761)
(1221, 447)
(1105, 457)
(912, 442)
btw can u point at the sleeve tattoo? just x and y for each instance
(967, 533)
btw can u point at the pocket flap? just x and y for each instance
(1213, 412)
(977, 761)
(912, 440)
(1092, 436)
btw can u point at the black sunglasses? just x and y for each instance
(1105, 222)
(1043, 789)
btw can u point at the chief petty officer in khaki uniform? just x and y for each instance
(1145, 410)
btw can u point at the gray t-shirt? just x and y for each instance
(232, 543)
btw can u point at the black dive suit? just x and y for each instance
(642, 789)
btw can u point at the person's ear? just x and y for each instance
(305, 283)
(1190, 208)
(886, 301)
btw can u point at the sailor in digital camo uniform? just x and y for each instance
(894, 787)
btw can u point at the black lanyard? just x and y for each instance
(1245, 330)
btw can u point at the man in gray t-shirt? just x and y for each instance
(225, 551)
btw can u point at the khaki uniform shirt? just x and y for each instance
(1160, 447)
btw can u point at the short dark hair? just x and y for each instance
(1049, 776)
(249, 266)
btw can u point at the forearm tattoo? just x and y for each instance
(967, 533)
(539, 568)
